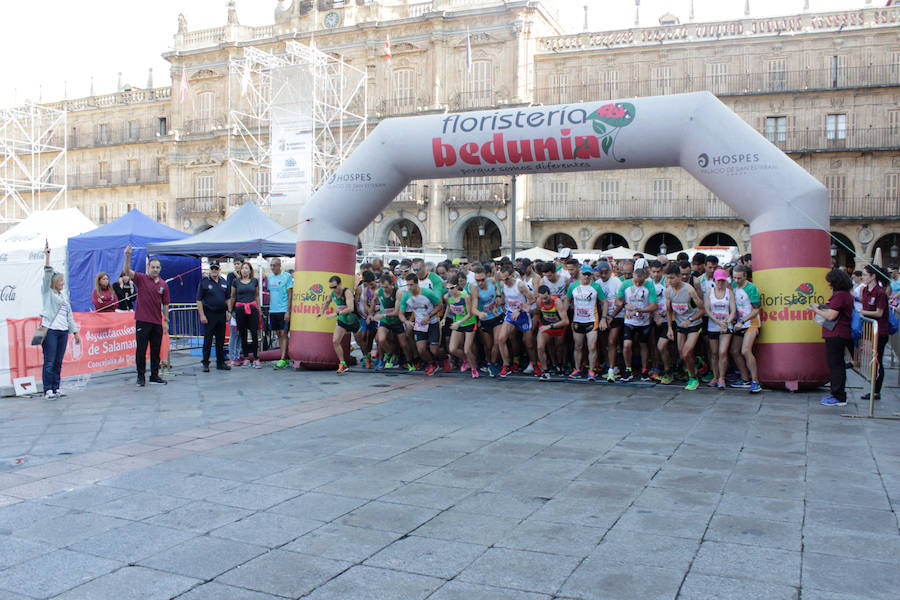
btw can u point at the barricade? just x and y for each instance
(185, 329)
(866, 364)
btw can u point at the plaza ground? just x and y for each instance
(256, 484)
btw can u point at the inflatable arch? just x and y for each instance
(787, 209)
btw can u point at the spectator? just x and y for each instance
(58, 322)
(212, 308)
(234, 340)
(245, 306)
(103, 296)
(151, 316)
(835, 320)
(125, 292)
(874, 300)
(281, 288)
(895, 286)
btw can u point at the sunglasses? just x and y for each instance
(451, 287)
(214, 267)
(332, 287)
(464, 263)
(416, 269)
(479, 280)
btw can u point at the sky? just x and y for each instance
(54, 47)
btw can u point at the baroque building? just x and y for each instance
(823, 87)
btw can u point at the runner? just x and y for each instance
(365, 299)
(489, 310)
(589, 317)
(518, 317)
(390, 329)
(637, 297)
(746, 329)
(281, 287)
(721, 309)
(461, 312)
(532, 281)
(424, 304)
(684, 311)
(615, 323)
(347, 319)
(660, 327)
(553, 324)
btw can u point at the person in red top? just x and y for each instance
(836, 317)
(103, 296)
(875, 306)
(151, 316)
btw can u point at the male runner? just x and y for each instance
(553, 324)
(615, 323)
(589, 316)
(746, 329)
(660, 327)
(684, 314)
(281, 287)
(390, 327)
(637, 297)
(489, 310)
(424, 304)
(518, 317)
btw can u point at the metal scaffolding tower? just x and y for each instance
(33, 162)
(337, 106)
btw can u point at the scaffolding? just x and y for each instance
(337, 110)
(33, 161)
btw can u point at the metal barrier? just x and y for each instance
(895, 344)
(867, 364)
(185, 329)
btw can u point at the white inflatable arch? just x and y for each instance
(787, 209)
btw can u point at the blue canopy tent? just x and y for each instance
(102, 250)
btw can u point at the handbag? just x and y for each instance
(41, 332)
(893, 322)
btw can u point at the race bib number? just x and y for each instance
(680, 308)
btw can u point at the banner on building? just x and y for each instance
(292, 137)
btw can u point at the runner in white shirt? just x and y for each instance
(660, 328)
(637, 297)
(721, 309)
(614, 322)
(518, 317)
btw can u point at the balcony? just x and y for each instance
(77, 181)
(836, 140)
(202, 126)
(114, 136)
(867, 207)
(475, 99)
(475, 194)
(201, 207)
(549, 209)
(414, 195)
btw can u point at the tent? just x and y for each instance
(725, 254)
(101, 250)
(246, 231)
(22, 258)
(617, 253)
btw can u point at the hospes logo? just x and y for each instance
(703, 160)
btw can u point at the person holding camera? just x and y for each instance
(57, 322)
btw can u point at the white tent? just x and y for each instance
(22, 257)
(617, 253)
(535, 253)
(725, 254)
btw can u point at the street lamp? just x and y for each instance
(481, 229)
(895, 251)
(662, 247)
(404, 232)
(833, 249)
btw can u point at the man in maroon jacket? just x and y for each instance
(151, 316)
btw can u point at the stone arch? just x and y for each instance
(655, 240)
(604, 240)
(843, 250)
(718, 238)
(384, 228)
(455, 238)
(558, 238)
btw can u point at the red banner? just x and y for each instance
(107, 343)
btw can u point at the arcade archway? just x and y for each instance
(558, 241)
(662, 243)
(717, 238)
(404, 233)
(608, 241)
(481, 239)
(890, 249)
(842, 251)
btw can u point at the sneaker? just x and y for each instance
(411, 367)
(611, 376)
(712, 383)
(645, 375)
(707, 377)
(741, 384)
(529, 370)
(755, 388)
(866, 397)
(493, 370)
(281, 364)
(692, 384)
(832, 401)
(536, 370)
(591, 375)
(431, 369)
(140, 382)
(504, 371)
(514, 368)
(245, 364)
(342, 368)
(158, 381)
(464, 367)
(475, 374)
(257, 364)
(390, 362)
(665, 378)
(560, 370)
(205, 368)
(721, 385)
(629, 375)
(576, 374)
(237, 362)
(225, 367)
(379, 366)
(447, 366)
(367, 362)
(49, 395)
(60, 393)
(545, 376)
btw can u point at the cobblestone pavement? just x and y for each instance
(260, 484)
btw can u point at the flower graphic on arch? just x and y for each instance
(608, 121)
(803, 292)
(316, 288)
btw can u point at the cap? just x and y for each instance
(720, 275)
(586, 269)
(640, 263)
(565, 252)
(455, 261)
(603, 266)
(213, 264)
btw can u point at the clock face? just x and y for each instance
(332, 19)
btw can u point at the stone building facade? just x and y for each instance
(825, 88)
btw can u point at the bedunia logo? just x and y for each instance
(606, 123)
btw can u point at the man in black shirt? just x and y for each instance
(212, 294)
(234, 341)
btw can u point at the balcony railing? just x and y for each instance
(865, 207)
(824, 140)
(112, 179)
(200, 126)
(547, 209)
(206, 206)
(471, 194)
(120, 98)
(476, 99)
(114, 135)
(413, 195)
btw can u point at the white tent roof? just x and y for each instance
(725, 254)
(52, 226)
(536, 253)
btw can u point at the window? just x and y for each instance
(162, 212)
(205, 186)
(207, 111)
(716, 76)
(160, 166)
(559, 82)
(662, 80)
(263, 182)
(894, 122)
(895, 67)
(836, 127)
(609, 84)
(838, 66)
(776, 129)
(837, 189)
(132, 130)
(403, 90)
(73, 140)
(777, 74)
(103, 170)
(662, 190)
(130, 206)
(892, 186)
(559, 191)
(163, 126)
(102, 214)
(131, 168)
(104, 133)
(608, 192)
(481, 83)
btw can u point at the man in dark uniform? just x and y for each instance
(213, 311)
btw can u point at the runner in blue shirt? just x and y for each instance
(281, 288)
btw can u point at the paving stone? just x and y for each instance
(67, 529)
(305, 477)
(459, 590)
(500, 504)
(284, 573)
(605, 494)
(398, 518)
(755, 532)
(876, 547)
(520, 569)
(252, 496)
(86, 498)
(740, 561)
(450, 477)
(766, 488)
(202, 557)
(554, 538)
(690, 479)
(380, 584)
(153, 585)
(139, 505)
(428, 496)
(340, 542)
(624, 545)
(21, 515)
(427, 556)
(14, 550)
(578, 511)
(850, 495)
(199, 516)
(318, 506)
(601, 579)
(772, 509)
(132, 542)
(627, 475)
(266, 529)
(663, 522)
(455, 525)
(850, 576)
(355, 486)
(678, 500)
(218, 591)
(54, 573)
(708, 587)
(829, 519)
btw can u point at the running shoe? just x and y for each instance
(529, 370)
(712, 383)
(280, 364)
(257, 364)
(342, 368)
(692, 384)
(560, 370)
(755, 388)
(832, 401)
(545, 376)
(51, 395)
(645, 376)
(665, 378)
(379, 366)
(576, 374)
(237, 363)
(536, 369)
(721, 385)
(60, 394)
(504, 371)
(411, 367)
(432, 369)
(447, 366)
(741, 384)
(475, 374)
(629, 375)
(654, 374)
(493, 370)
(389, 363)
(867, 395)
(367, 362)
(707, 377)
(591, 375)
(611, 376)
(514, 368)
(464, 367)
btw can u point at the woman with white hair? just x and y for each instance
(57, 322)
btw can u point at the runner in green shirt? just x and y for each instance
(460, 310)
(347, 319)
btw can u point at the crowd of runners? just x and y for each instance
(629, 320)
